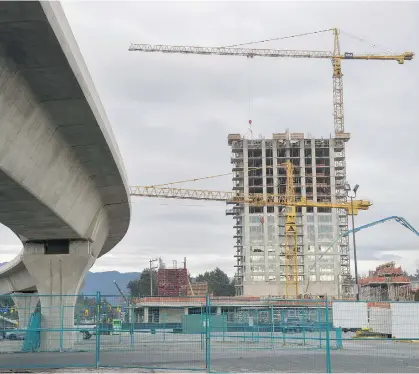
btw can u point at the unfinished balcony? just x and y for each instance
(339, 156)
(340, 165)
(339, 145)
(238, 186)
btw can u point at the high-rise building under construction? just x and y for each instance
(319, 175)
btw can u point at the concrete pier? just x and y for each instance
(58, 278)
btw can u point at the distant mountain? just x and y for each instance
(103, 282)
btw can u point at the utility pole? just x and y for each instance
(151, 261)
(352, 196)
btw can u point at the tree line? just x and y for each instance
(219, 284)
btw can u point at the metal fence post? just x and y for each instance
(61, 325)
(207, 334)
(319, 319)
(328, 362)
(272, 326)
(98, 329)
(131, 324)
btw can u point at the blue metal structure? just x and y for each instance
(398, 219)
(32, 336)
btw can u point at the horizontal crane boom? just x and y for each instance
(253, 52)
(240, 198)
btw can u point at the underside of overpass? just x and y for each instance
(63, 188)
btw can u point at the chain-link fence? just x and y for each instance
(218, 334)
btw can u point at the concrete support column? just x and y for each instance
(26, 304)
(58, 278)
(145, 314)
(186, 311)
(218, 311)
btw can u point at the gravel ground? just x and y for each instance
(234, 353)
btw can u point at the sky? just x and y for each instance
(171, 114)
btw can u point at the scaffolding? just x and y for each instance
(386, 283)
(319, 174)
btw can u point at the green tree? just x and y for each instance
(218, 282)
(141, 287)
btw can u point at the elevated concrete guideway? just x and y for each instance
(61, 173)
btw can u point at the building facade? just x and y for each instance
(319, 175)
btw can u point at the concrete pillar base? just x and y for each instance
(58, 279)
(26, 304)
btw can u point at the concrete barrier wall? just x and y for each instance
(350, 314)
(405, 320)
(380, 320)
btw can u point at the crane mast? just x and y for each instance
(337, 86)
(291, 244)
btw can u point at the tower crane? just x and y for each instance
(335, 56)
(289, 201)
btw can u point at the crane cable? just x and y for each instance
(250, 99)
(364, 41)
(279, 38)
(212, 176)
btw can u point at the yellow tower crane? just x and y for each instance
(336, 57)
(289, 201)
(291, 245)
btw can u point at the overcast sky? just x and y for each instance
(171, 114)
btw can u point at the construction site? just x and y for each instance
(274, 281)
(290, 200)
(386, 283)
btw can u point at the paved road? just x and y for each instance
(178, 351)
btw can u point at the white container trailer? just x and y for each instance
(350, 316)
(405, 320)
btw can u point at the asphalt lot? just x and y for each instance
(231, 354)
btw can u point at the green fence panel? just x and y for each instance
(32, 335)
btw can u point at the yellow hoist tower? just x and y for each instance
(291, 246)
